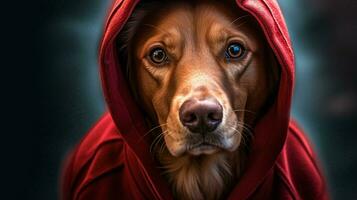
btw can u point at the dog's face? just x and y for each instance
(203, 72)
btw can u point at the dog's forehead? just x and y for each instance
(185, 17)
(207, 20)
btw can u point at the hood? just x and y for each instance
(269, 134)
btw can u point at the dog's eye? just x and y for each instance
(234, 50)
(158, 55)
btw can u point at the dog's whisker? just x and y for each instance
(241, 24)
(151, 130)
(239, 18)
(162, 148)
(156, 127)
(239, 132)
(247, 134)
(246, 126)
(158, 140)
(155, 141)
(244, 110)
(244, 137)
(160, 144)
(247, 129)
(163, 145)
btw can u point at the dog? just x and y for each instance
(204, 75)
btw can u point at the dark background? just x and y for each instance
(52, 94)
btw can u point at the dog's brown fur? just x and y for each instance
(194, 34)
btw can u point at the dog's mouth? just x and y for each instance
(203, 148)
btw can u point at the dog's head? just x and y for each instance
(203, 72)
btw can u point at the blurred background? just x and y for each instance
(51, 56)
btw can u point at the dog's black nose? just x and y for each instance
(201, 116)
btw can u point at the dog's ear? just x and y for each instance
(273, 70)
(126, 62)
(124, 45)
(125, 49)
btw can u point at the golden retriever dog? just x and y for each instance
(203, 74)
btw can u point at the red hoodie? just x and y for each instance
(112, 163)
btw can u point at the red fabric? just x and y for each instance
(113, 160)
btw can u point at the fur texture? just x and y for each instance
(203, 177)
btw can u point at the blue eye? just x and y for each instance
(234, 50)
